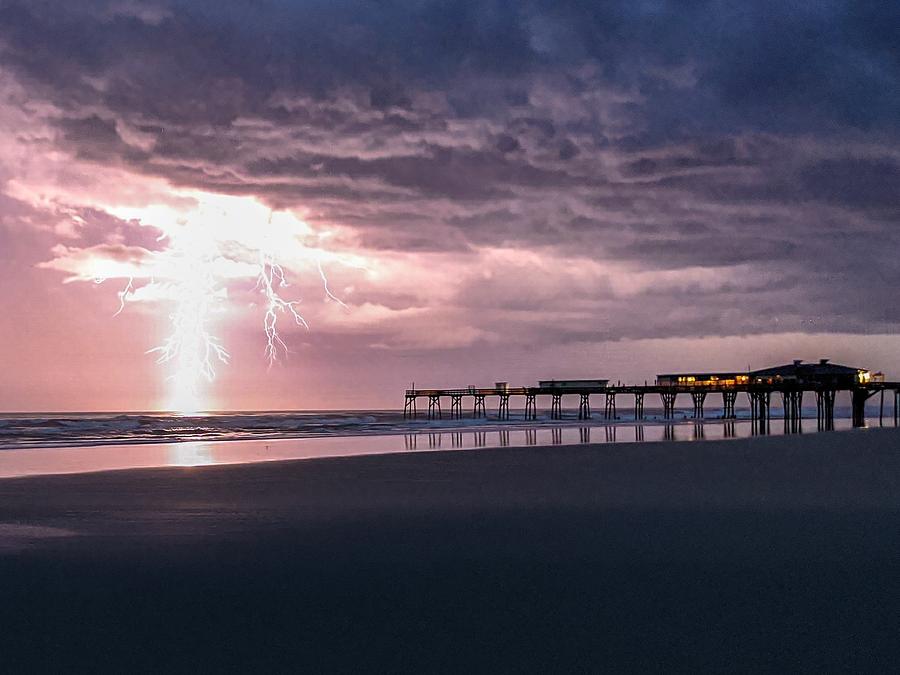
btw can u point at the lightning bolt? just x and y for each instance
(191, 346)
(123, 295)
(191, 273)
(271, 278)
(325, 286)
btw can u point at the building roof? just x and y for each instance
(798, 368)
(598, 379)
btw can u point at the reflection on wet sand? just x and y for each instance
(191, 454)
(760, 427)
(729, 429)
(699, 431)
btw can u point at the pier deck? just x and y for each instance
(759, 396)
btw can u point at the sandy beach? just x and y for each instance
(772, 554)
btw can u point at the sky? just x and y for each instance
(493, 190)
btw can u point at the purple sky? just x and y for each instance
(495, 190)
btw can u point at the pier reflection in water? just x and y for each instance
(693, 430)
(760, 427)
(728, 428)
(699, 431)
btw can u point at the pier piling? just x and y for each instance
(668, 400)
(503, 410)
(409, 407)
(478, 409)
(584, 407)
(434, 407)
(556, 407)
(456, 406)
(698, 397)
(729, 398)
(530, 407)
(609, 411)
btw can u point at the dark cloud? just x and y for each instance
(567, 149)
(866, 183)
(506, 143)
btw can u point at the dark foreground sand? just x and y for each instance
(775, 554)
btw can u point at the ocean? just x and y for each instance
(40, 430)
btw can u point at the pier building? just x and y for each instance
(702, 379)
(821, 374)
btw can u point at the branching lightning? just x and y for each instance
(123, 295)
(271, 278)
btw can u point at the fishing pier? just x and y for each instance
(789, 383)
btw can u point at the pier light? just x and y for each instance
(865, 377)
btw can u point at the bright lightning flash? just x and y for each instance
(208, 247)
(191, 346)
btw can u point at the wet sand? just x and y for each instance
(773, 554)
